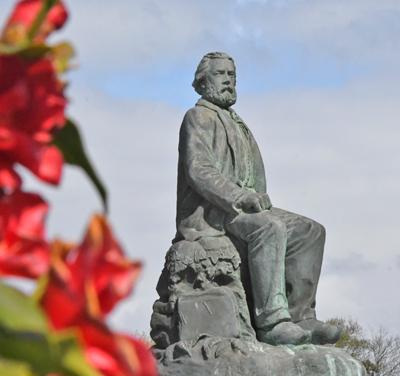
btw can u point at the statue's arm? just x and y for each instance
(196, 145)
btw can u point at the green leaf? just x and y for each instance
(72, 360)
(62, 52)
(69, 142)
(14, 368)
(34, 52)
(41, 287)
(5, 49)
(27, 345)
(28, 52)
(17, 312)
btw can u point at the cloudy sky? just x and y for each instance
(318, 84)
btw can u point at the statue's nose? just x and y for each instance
(225, 79)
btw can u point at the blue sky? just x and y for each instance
(318, 84)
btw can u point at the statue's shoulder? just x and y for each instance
(202, 113)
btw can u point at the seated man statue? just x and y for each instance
(222, 191)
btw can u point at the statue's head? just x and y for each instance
(215, 79)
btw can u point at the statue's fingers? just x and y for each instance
(257, 207)
(265, 202)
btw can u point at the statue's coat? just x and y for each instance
(208, 171)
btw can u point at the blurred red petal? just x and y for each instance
(102, 349)
(57, 15)
(49, 166)
(7, 140)
(44, 111)
(9, 179)
(116, 354)
(147, 362)
(23, 257)
(45, 161)
(32, 107)
(26, 11)
(31, 97)
(84, 284)
(113, 283)
(102, 259)
(64, 297)
(13, 98)
(24, 213)
(102, 361)
(23, 249)
(63, 305)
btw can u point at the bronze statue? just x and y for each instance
(241, 275)
(222, 190)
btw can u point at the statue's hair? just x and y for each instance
(204, 67)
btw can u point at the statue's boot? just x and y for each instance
(285, 333)
(322, 333)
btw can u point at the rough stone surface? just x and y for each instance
(213, 311)
(216, 338)
(237, 357)
(205, 271)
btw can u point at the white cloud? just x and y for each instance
(350, 30)
(137, 34)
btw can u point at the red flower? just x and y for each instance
(8, 177)
(64, 299)
(100, 257)
(23, 16)
(31, 110)
(116, 354)
(85, 284)
(91, 278)
(23, 249)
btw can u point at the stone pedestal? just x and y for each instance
(201, 324)
(237, 357)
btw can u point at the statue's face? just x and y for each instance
(222, 74)
(219, 85)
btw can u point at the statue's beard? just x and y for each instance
(222, 98)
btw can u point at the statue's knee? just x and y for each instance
(318, 230)
(274, 224)
(306, 227)
(250, 227)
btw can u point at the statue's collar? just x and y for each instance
(209, 105)
(214, 107)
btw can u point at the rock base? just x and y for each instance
(202, 291)
(246, 357)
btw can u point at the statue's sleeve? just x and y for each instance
(197, 142)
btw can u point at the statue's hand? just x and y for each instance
(256, 202)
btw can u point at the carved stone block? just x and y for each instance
(212, 312)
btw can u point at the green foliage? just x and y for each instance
(69, 141)
(14, 368)
(353, 338)
(378, 351)
(62, 53)
(28, 347)
(145, 337)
